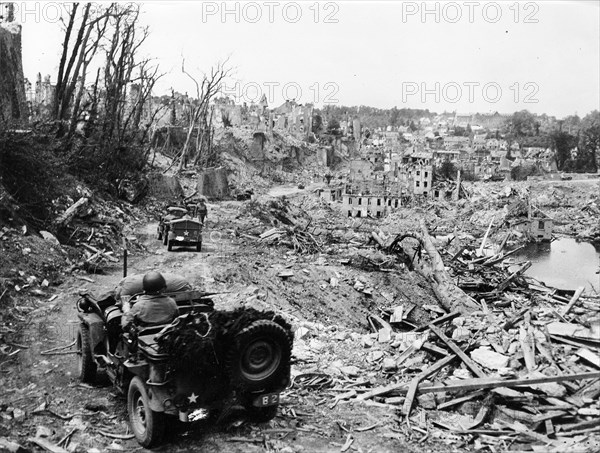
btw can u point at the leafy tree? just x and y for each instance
(333, 127)
(317, 124)
(571, 124)
(523, 124)
(447, 170)
(563, 143)
(589, 142)
(521, 172)
(460, 131)
(394, 115)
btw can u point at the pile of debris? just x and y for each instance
(477, 376)
(508, 360)
(300, 240)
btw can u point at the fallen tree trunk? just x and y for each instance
(71, 212)
(450, 296)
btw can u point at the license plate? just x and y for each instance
(179, 238)
(268, 399)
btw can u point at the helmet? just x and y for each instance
(153, 282)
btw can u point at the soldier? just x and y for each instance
(202, 210)
(152, 308)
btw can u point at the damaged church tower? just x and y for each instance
(13, 106)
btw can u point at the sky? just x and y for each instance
(464, 56)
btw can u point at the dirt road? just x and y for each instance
(307, 420)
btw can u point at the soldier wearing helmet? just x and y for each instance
(152, 308)
(202, 210)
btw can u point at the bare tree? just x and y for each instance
(200, 113)
(126, 39)
(77, 52)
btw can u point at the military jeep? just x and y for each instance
(200, 364)
(183, 232)
(173, 213)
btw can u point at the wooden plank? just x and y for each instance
(547, 416)
(457, 254)
(573, 300)
(460, 400)
(398, 314)
(414, 384)
(502, 286)
(438, 321)
(588, 355)
(571, 330)
(488, 383)
(527, 341)
(403, 387)
(433, 348)
(549, 427)
(514, 414)
(410, 395)
(578, 343)
(485, 237)
(513, 320)
(459, 352)
(47, 445)
(579, 426)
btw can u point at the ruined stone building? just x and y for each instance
(370, 205)
(293, 118)
(40, 96)
(422, 179)
(331, 194)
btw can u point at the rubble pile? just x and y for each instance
(497, 380)
(521, 369)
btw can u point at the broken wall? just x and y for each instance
(325, 156)
(165, 188)
(257, 148)
(213, 184)
(13, 106)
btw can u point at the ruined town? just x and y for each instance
(184, 269)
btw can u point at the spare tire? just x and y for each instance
(260, 357)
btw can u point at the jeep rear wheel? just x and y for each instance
(199, 246)
(170, 246)
(85, 361)
(147, 425)
(260, 357)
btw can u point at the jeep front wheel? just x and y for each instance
(85, 361)
(260, 357)
(147, 425)
(170, 245)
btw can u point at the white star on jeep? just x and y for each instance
(192, 398)
(186, 233)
